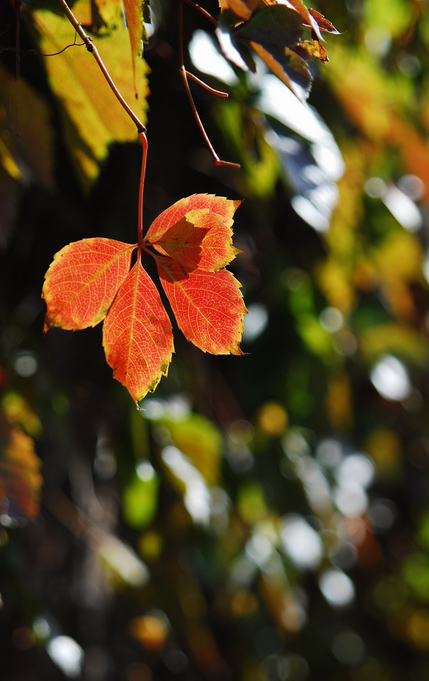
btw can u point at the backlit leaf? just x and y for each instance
(169, 217)
(323, 23)
(314, 49)
(82, 281)
(92, 117)
(208, 306)
(210, 246)
(239, 7)
(137, 335)
(183, 240)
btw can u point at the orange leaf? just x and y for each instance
(169, 217)
(200, 239)
(82, 281)
(20, 478)
(137, 335)
(208, 306)
(210, 246)
(239, 8)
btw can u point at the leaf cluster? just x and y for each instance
(91, 280)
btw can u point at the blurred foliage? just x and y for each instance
(265, 517)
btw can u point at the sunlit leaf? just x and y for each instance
(196, 232)
(313, 49)
(92, 117)
(137, 335)
(82, 281)
(239, 7)
(208, 306)
(323, 22)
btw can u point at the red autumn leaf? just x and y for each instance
(137, 335)
(196, 231)
(20, 478)
(91, 280)
(200, 239)
(82, 281)
(208, 306)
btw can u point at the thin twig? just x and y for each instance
(203, 11)
(219, 93)
(184, 75)
(26, 53)
(92, 48)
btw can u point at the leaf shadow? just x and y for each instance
(182, 243)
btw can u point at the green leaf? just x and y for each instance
(275, 25)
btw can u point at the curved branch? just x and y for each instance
(184, 74)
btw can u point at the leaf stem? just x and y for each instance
(184, 75)
(93, 50)
(219, 93)
(144, 142)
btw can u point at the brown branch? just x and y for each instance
(219, 93)
(203, 11)
(92, 48)
(184, 75)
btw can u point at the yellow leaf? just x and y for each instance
(92, 117)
